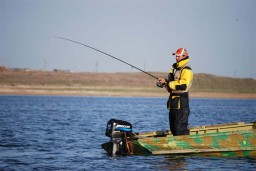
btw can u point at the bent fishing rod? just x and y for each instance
(100, 51)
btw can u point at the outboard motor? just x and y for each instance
(118, 131)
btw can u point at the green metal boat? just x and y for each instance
(233, 139)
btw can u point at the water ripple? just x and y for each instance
(65, 133)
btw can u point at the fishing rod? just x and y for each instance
(100, 51)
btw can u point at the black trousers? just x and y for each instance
(178, 119)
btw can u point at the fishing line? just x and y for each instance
(100, 51)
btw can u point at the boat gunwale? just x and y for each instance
(201, 130)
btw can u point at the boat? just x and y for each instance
(224, 140)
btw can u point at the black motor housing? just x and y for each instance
(115, 125)
(119, 132)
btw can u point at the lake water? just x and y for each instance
(66, 133)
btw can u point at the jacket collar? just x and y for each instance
(182, 63)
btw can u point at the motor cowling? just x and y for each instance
(115, 126)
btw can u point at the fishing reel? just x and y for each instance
(161, 85)
(164, 82)
(161, 82)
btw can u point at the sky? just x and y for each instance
(219, 35)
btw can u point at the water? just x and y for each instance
(65, 133)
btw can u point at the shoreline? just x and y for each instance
(111, 92)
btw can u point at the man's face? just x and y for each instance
(178, 58)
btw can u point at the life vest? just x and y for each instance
(180, 84)
(182, 77)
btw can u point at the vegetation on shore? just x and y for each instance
(112, 83)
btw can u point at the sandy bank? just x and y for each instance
(110, 91)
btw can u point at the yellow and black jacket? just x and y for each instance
(179, 82)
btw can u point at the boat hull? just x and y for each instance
(239, 143)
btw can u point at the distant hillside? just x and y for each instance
(209, 83)
(201, 83)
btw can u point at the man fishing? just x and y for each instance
(178, 84)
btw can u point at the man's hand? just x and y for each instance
(161, 82)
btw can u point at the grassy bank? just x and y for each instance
(117, 84)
